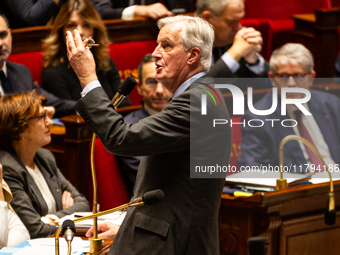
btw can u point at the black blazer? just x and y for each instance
(21, 80)
(172, 143)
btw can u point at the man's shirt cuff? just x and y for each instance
(230, 62)
(92, 85)
(259, 68)
(128, 12)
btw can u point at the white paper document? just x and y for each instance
(46, 246)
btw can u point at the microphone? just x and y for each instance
(330, 214)
(124, 89)
(68, 230)
(149, 198)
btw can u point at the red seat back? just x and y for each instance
(111, 191)
(279, 10)
(236, 139)
(127, 57)
(33, 61)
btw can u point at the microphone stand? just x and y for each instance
(136, 202)
(282, 183)
(96, 243)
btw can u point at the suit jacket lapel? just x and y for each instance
(13, 77)
(51, 181)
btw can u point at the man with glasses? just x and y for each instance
(155, 98)
(291, 66)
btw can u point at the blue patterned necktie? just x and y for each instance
(6, 86)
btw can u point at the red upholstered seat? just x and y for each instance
(33, 61)
(127, 57)
(279, 13)
(236, 139)
(111, 191)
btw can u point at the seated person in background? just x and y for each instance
(260, 145)
(17, 78)
(41, 194)
(155, 98)
(128, 9)
(236, 48)
(12, 231)
(58, 77)
(29, 13)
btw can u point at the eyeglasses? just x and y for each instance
(41, 116)
(294, 75)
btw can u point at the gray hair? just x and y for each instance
(214, 6)
(294, 54)
(195, 33)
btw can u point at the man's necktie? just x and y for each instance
(305, 134)
(6, 86)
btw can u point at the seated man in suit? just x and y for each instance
(155, 98)
(17, 78)
(236, 48)
(290, 67)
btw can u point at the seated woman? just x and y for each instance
(12, 231)
(58, 76)
(41, 194)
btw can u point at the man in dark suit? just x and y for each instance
(236, 49)
(155, 98)
(183, 153)
(291, 66)
(17, 78)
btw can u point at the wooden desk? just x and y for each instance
(291, 220)
(319, 33)
(138, 29)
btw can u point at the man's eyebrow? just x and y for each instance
(4, 32)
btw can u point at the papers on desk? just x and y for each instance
(115, 217)
(46, 246)
(323, 177)
(265, 181)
